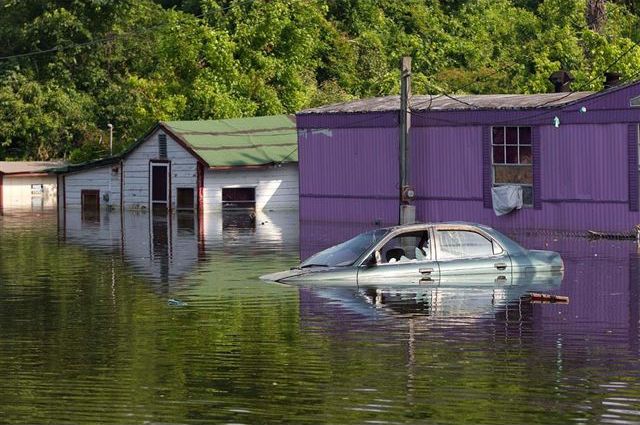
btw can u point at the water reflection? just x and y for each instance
(86, 319)
(166, 247)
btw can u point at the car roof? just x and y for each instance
(440, 223)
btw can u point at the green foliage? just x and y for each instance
(134, 62)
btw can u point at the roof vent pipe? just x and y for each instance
(561, 81)
(611, 79)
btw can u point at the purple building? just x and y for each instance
(574, 154)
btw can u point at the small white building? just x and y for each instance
(205, 165)
(26, 184)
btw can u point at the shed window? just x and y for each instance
(635, 102)
(186, 198)
(513, 159)
(162, 145)
(37, 190)
(90, 204)
(239, 198)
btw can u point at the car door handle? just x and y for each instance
(426, 271)
(501, 266)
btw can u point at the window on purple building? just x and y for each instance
(513, 159)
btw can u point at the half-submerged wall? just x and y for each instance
(276, 187)
(137, 170)
(105, 180)
(25, 191)
(584, 158)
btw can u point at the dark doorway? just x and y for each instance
(239, 198)
(159, 183)
(90, 205)
(186, 198)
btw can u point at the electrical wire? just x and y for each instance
(464, 87)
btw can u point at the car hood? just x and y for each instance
(315, 275)
(287, 274)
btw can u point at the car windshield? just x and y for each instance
(346, 253)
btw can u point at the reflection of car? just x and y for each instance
(468, 299)
(422, 254)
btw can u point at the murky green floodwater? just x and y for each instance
(138, 320)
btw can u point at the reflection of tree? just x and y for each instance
(76, 349)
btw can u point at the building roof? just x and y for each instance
(237, 142)
(453, 102)
(28, 167)
(240, 141)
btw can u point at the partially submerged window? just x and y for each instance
(37, 190)
(90, 204)
(512, 159)
(186, 198)
(457, 244)
(413, 246)
(239, 198)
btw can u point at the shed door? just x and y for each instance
(159, 183)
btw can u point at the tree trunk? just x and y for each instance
(596, 14)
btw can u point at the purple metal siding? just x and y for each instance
(487, 178)
(584, 163)
(439, 174)
(582, 180)
(359, 120)
(581, 183)
(349, 174)
(569, 216)
(537, 168)
(632, 166)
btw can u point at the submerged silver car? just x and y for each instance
(427, 253)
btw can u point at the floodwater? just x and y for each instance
(139, 319)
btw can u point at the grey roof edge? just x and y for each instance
(572, 98)
(73, 168)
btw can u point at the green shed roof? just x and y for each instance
(240, 141)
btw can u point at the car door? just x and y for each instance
(403, 259)
(468, 254)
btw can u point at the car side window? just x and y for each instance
(407, 247)
(456, 244)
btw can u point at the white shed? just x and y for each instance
(205, 165)
(25, 184)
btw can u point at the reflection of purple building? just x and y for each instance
(601, 280)
(575, 155)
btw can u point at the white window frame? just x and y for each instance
(519, 164)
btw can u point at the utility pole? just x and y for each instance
(407, 211)
(110, 139)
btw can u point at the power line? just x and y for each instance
(543, 104)
(464, 87)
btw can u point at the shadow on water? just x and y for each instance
(160, 317)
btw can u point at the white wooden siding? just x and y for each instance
(104, 179)
(184, 171)
(16, 191)
(276, 187)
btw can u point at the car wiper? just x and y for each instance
(313, 265)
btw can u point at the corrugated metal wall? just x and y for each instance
(584, 179)
(349, 174)
(349, 166)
